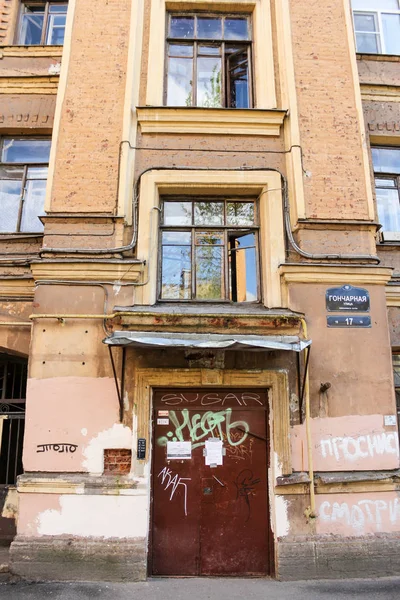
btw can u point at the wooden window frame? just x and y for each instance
(46, 4)
(379, 33)
(25, 168)
(385, 234)
(196, 41)
(218, 228)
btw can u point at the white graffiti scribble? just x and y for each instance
(363, 446)
(210, 398)
(169, 480)
(364, 511)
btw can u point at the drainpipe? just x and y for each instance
(311, 512)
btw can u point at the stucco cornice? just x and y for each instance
(306, 273)
(380, 93)
(393, 295)
(22, 288)
(214, 121)
(88, 271)
(42, 84)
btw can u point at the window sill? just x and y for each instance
(31, 51)
(211, 121)
(378, 57)
(390, 236)
(18, 236)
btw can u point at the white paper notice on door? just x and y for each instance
(179, 450)
(213, 451)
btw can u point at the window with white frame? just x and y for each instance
(386, 162)
(209, 249)
(42, 23)
(208, 61)
(23, 177)
(377, 26)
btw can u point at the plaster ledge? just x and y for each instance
(31, 51)
(77, 484)
(353, 274)
(393, 295)
(212, 121)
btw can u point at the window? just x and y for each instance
(23, 176)
(209, 249)
(396, 373)
(42, 23)
(377, 26)
(386, 163)
(208, 61)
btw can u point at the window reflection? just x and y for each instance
(208, 75)
(214, 254)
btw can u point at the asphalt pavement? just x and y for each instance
(387, 588)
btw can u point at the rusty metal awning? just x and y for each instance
(143, 339)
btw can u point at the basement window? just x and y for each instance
(208, 61)
(209, 250)
(42, 23)
(377, 26)
(23, 177)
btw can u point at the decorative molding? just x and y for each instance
(385, 126)
(306, 273)
(31, 51)
(393, 295)
(276, 381)
(211, 121)
(265, 184)
(42, 84)
(380, 93)
(212, 322)
(73, 484)
(17, 288)
(126, 271)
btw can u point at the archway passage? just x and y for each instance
(13, 377)
(209, 483)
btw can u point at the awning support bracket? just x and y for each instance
(303, 387)
(121, 405)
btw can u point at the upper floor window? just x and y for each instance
(386, 163)
(42, 23)
(209, 249)
(23, 176)
(377, 26)
(209, 61)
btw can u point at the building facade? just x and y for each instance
(200, 287)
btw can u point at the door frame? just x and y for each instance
(279, 422)
(194, 406)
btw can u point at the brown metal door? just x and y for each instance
(206, 519)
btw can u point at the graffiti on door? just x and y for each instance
(171, 481)
(200, 426)
(245, 483)
(212, 398)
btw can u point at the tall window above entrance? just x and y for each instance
(208, 61)
(209, 250)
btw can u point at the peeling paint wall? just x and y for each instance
(82, 411)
